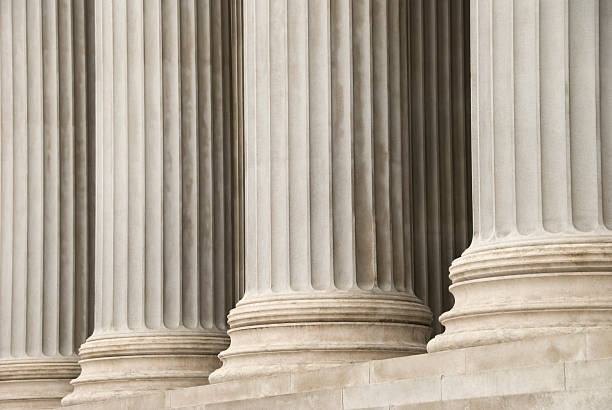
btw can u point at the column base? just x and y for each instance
(283, 333)
(120, 365)
(520, 291)
(36, 382)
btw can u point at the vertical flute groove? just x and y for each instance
(206, 215)
(417, 104)
(20, 183)
(154, 160)
(67, 180)
(189, 163)
(554, 134)
(396, 106)
(262, 95)
(81, 174)
(136, 165)
(605, 98)
(227, 302)
(320, 141)
(251, 226)
(219, 169)
(172, 164)
(527, 117)
(278, 145)
(445, 81)
(381, 138)
(405, 281)
(120, 159)
(342, 143)
(363, 146)
(583, 56)
(298, 146)
(431, 152)
(35, 182)
(6, 180)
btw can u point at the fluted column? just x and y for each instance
(541, 259)
(163, 216)
(44, 221)
(435, 101)
(328, 267)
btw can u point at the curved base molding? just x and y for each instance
(37, 382)
(521, 291)
(122, 365)
(297, 332)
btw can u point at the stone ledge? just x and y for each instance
(597, 399)
(537, 369)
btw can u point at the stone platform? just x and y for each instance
(561, 372)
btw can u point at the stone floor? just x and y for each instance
(563, 372)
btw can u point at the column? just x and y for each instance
(163, 201)
(328, 268)
(541, 258)
(435, 101)
(44, 224)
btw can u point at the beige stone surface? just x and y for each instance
(586, 399)
(391, 393)
(320, 400)
(504, 382)
(331, 378)
(592, 374)
(233, 390)
(418, 366)
(599, 345)
(543, 350)
(154, 401)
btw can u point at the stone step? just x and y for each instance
(453, 371)
(592, 399)
(513, 385)
(542, 366)
(595, 399)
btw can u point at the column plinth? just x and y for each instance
(121, 364)
(541, 259)
(328, 268)
(164, 281)
(303, 331)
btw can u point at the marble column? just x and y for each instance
(163, 261)
(328, 270)
(541, 258)
(44, 244)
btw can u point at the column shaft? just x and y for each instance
(44, 247)
(540, 260)
(164, 280)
